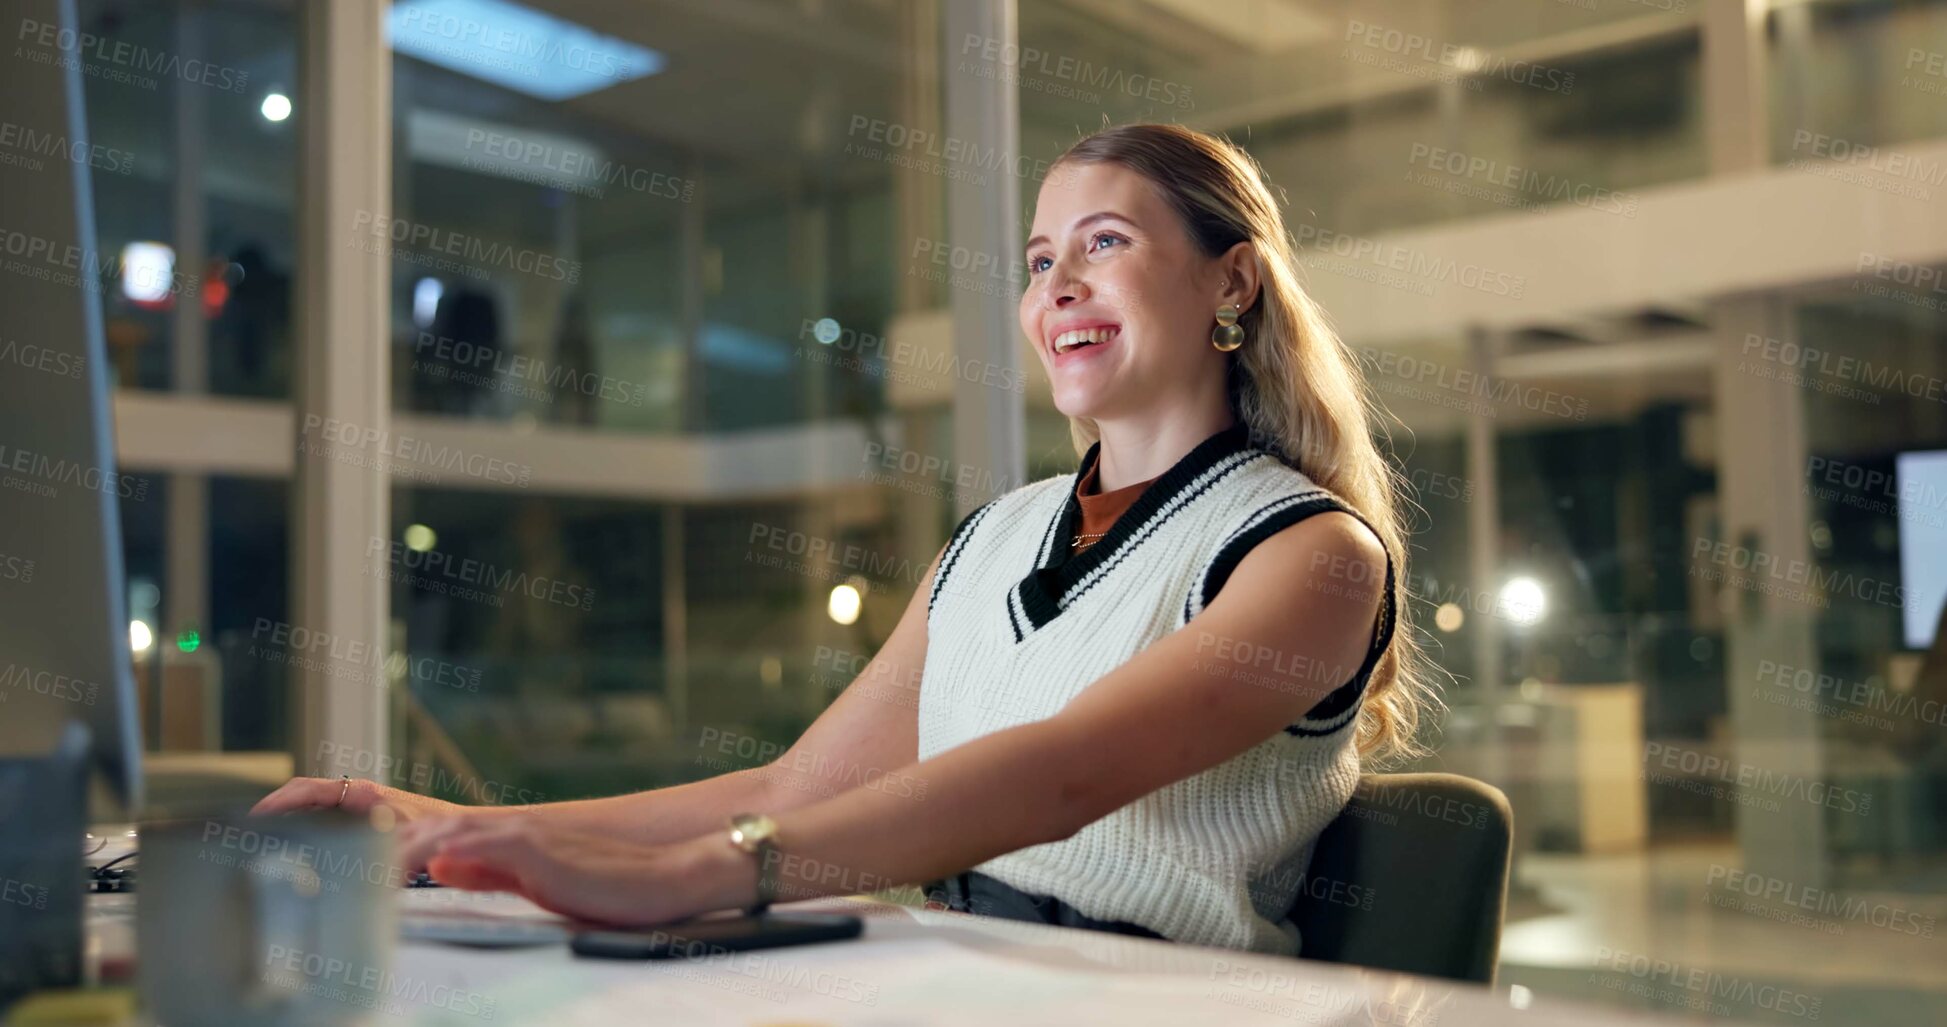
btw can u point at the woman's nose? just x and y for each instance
(1064, 289)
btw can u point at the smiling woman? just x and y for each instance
(1166, 233)
(1144, 734)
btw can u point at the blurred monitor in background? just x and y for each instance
(1922, 484)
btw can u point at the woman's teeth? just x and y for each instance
(1083, 337)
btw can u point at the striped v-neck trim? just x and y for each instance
(1059, 577)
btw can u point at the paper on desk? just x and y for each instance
(930, 981)
(447, 903)
(884, 981)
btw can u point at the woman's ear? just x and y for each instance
(1239, 272)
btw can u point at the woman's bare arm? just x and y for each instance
(863, 739)
(866, 737)
(1179, 707)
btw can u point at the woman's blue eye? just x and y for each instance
(1035, 263)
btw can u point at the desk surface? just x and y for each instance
(913, 966)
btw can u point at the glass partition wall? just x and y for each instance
(707, 279)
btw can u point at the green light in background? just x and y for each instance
(188, 641)
(420, 538)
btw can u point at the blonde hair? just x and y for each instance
(1294, 383)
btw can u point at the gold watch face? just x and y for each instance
(749, 830)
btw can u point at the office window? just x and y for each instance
(1387, 116)
(192, 166)
(1852, 82)
(212, 651)
(196, 170)
(701, 256)
(1685, 653)
(641, 263)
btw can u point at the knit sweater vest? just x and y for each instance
(1016, 627)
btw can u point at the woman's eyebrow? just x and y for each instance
(1100, 215)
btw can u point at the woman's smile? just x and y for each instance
(1081, 340)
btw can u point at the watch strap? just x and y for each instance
(756, 835)
(766, 877)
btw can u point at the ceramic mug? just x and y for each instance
(266, 921)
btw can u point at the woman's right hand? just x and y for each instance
(415, 846)
(309, 793)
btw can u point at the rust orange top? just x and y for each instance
(1100, 510)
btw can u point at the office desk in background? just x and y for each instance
(913, 966)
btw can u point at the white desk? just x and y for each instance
(913, 966)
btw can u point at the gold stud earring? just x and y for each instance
(1228, 335)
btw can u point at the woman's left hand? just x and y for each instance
(588, 876)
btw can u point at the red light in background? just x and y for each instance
(216, 292)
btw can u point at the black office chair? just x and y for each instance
(1430, 854)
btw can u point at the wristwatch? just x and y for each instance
(756, 834)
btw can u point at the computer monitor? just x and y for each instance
(64, 628)
(1921, 484)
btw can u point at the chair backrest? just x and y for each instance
(1412, 876)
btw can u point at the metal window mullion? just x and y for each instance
(341, 505)
(186, 522)
(983, 116)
